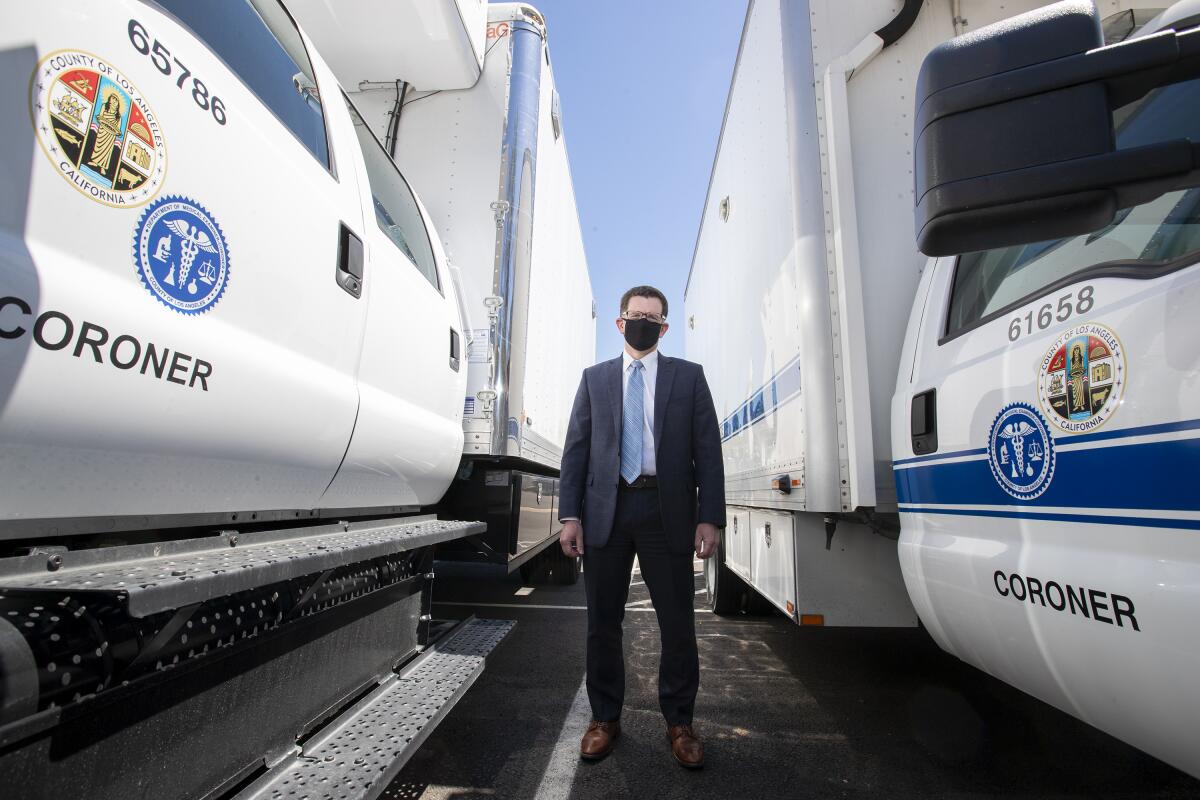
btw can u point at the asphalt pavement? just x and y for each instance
(784, 712)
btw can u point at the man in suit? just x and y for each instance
(642, 475)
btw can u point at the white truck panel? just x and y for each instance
(282, 329)
(1054, 546)
(850, 579)
(282, 392)
(433, 44)
(748, 293)
(773, 554)
(738, 535)
(408, 433)
(560, 338)
(450, 146)
(959, 555)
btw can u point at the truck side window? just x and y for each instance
(1141, 242)
(395, 207)
(259, 42)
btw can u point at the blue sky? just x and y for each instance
(643, 87)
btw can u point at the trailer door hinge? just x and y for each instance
(500, 209)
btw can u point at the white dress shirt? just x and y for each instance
(649, 373)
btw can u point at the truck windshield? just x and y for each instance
(1142, 241)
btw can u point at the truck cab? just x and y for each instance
(205, 244)
(232, 371)
(1044, 428)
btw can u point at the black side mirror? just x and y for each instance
(1014, 131)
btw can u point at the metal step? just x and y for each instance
(150, 578)
(358, 754)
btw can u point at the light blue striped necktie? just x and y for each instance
(631, 425)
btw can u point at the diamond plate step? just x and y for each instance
(158, 577)
(357, 755)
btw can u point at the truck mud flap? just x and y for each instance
(358, 754)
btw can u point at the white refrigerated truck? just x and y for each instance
(999, 440)
(489, 162)
(234, 352)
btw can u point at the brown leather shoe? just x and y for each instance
(598, 740)
(687, 749)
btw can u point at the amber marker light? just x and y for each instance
(812, 619)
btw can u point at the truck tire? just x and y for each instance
(759, 606)
(552, 566)
(564, 569)
(727, 593)
(533, 571)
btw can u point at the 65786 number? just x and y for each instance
(1046, 316)
(165, 63)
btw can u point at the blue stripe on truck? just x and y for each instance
(1094, 519)
(1148, 475)
(782, 387)
(1096, 436)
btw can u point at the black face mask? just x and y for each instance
(641, 334)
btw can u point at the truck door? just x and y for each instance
(174, 336)
(1046, 443)
(408, 437)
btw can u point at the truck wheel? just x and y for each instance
(759, 606)
(551, 565)
(533, 571)
(726, 591)
(564, 569)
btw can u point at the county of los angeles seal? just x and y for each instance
(97, 129)
(1081, 378)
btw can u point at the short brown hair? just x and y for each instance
(643, 291)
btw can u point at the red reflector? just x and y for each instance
(811, 619)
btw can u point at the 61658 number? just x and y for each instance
(1048, 314)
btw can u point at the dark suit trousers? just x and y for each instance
(638, 530)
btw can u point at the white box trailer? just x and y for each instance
(798, 295)
(1017, 411)
(490, 163)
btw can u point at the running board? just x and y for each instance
(163, 576)
(358, 754)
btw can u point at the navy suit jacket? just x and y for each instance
(687, 450)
